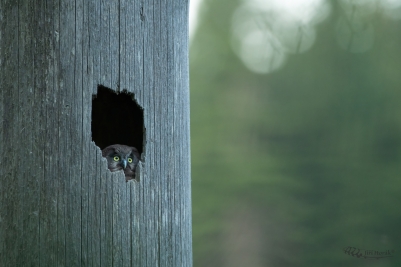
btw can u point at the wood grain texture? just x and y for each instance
(59, 204)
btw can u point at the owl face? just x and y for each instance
(121, 157)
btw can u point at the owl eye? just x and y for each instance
(116, 158)
(129, 160)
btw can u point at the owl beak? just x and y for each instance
(124, 163)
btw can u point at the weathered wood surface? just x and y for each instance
(59, 205)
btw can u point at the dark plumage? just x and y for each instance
(121, 157)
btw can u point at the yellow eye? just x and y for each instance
(129, 160)
(116, 158)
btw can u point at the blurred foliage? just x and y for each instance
(290, 167)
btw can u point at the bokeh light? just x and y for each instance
(265, 32)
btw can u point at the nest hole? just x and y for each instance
(117, 119)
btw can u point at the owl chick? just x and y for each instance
(121, 157)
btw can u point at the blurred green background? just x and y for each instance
(296, 132)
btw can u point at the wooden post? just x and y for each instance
(59, 204)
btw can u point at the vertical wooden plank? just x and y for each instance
(107, 212)
(148, 227)
(28, 217)
(114, 43)
(117, 179)
(93, 209)
(123, 21)
(105, 39)
(39, 110)
(182, 59)
(136, 212)
(2, 174)
(9, 86)
(95, 32)
(158, 88)
(89, 87)
(96, 225)
(46, 80)
(167, 172)
(125, 225)
(87, 168)
(35, 181)
(68, 90)
(177, 134)
(88, 217)
(63, 237)
(53, 7)
(181, 183)
(134, 38)
(104, 248)
(78, 160)
(39, 74)
(172, 154)
(174, 164)
(62, 115)
(20, 171)
(87, 256)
